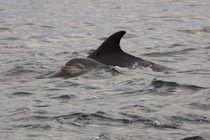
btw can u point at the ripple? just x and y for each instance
(103, 137)
(41, 38)
(65, 97)
(10, 38)
(201, 106)
(141, 107)
(42, 106)
(192, 118)
(208, 47)
(104, 72)
(41, 112)
(151, 122)
(4, 29)
(38, 117)
(29, 23)
(67, 84)
(34, 126)
(169, 53)
(176, 45)
(22, 93)
(160, 83)
(150, 28)
(205, 29)
(47, 26)
(132, 82)
(22, 110)
(99, 118)
(18, 70)
(187, 31)
(64, 53)
(193, 138)
(89, 24)
(196, 71)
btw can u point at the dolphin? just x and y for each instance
(76, 67)
(110, 53)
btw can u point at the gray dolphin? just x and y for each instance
(75, 67)
(110, 53)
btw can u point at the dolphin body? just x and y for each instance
(110, 53)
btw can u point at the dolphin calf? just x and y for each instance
(76, 67)
(110, 53)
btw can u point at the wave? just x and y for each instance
(193, 138)
(64, 97)
(34, 126)
(151, 121)
(190, 118)
(161, 83)
(18, 70)
(22, 93)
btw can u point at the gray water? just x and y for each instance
(38, 36)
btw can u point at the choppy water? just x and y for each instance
(37, 36)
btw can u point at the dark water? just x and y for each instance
(38, 36)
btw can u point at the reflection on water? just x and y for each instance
(37, 37)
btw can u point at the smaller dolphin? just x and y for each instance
(110, 53)
(76, 67)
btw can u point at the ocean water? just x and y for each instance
(38, 36)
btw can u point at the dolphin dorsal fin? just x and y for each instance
(111, 44)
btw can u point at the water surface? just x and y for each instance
(36, 37)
